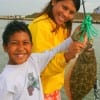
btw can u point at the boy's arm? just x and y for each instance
(63, 46)
(45, 57)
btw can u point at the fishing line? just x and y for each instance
(86, 27)
(84, 8)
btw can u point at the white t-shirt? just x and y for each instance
(22, 82)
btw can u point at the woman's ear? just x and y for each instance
(53, 2)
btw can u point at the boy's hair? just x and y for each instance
(12, 27)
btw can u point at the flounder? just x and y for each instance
(80, 74)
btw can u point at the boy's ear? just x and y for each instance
(5, 48)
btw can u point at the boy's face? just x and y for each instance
(18, 48)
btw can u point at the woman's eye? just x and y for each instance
(64, 7)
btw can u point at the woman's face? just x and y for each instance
(63, 11)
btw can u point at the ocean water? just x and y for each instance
(4, 57)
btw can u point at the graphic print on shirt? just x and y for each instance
(32, 83)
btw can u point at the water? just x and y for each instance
(3, 55)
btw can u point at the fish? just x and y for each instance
(80, 73)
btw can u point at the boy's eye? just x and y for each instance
(13, 42)
(16, 43)
(26, 42)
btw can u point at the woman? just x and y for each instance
(51, 27)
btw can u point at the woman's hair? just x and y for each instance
(12, 28)
(48, 10)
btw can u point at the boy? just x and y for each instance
(20, 79)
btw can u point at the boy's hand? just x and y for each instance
(73, 49)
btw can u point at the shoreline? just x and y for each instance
(80, 21)
(26, 19)
(76, 20)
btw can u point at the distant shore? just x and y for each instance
(30, 19)
(95, 17)
(80, 21)
(5, 18)
(78, 18)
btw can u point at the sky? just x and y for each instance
(26, 7)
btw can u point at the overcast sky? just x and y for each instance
(25, 7)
